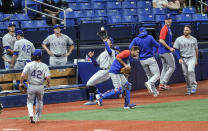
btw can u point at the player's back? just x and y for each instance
(24, 48)
(37, 71)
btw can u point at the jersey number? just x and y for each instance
(37, 74)
(26, 48)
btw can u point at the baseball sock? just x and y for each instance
(112, 92)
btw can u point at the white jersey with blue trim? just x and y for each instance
(8, 40)
(37, 71)
(24, 48)
(58, 45)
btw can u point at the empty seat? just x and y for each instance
(200, 17)
(74, 6)
(20, 17)
(129, 12)
(188, 10)
(144, 11)
(160, 18)
(114, 19)
(27, 24)
(70, 1)
(40, 23)
(100, 13)
(98, 5)
(144, 4)
(113, 12)
(159, 11)
(68, 15)
(129, 19)
(146, 18)
(113, 5)
(89, 13)
(82, 1)
(129, 4)
(78, 14)
(183, 17)
(85, 6)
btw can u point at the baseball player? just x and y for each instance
(165, 51)
(37, 72)
(120, 83)
(23, 50)
(104, 61)
(187, 52)
(146, 44)
(1, 108)
(58, 47)
(8, 44)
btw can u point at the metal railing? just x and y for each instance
(202, 3)
(42, 13)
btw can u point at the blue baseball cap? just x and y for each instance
(37, 52)
(56, 26)
(142, 29)
(19, 32)
(117, 48)
(11, 24)
(168, 16)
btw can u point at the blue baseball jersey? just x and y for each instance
(166, 35)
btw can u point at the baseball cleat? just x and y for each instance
(149, 87)
(155, 92)
(130, 106)
(36, 119)
(99, 99)
(188, 91)
(1, 108)
(32, 120)
(90, 103)
(163, 87)
(193, 90)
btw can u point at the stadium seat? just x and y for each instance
(144, 11)
(84, 1)
(27, 25)
(114, 19)
(184, 17)
(131, 12)
(78, 14)
(99, 18)
(159, 11)
(70, 1)
(144, 4)
(20, 17)
(159, 18)
(2, 26)
(84, 20)
(98, 5)
(146, 18)
(70, 22)
(129, 4)
(199, 17)
(89, 13)
(99, 13)
(40, 24)
(85, 6)
(113, 5)
(74, 6)
(129, 19)
(68, 15)
(113, 12)
(188, 10)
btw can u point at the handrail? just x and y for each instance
(64, 19)
(202, 3)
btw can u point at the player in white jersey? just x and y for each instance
(23, 50)
(58, 47)
(37, 72)
(104, 61)
(187, 52)
(8, 44)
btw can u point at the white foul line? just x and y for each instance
(101, 130)
(12, 129)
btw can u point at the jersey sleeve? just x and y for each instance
(70, 41)
(196, 43)
(154, 42)
(163, 32)
(26, 68)
(33, 48)
(5, 42)
(47, 71)
(133, 43)
(176, 44)
(124, 54)
(46, 41)
(16, 47)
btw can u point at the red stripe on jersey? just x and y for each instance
(164, 32)
(124, 54)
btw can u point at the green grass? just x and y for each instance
(192, 110)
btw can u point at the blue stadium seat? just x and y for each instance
(129, 12)
(84, 1)
(114, 19)
(78, 14)
(188, 10)
(2, 26)
(113, 5)
(98, 5)
(89, 13)
(99, 0)
(70, 22)
(199, 17)
(159, 18)
(144, 11)
(159, 11)
(129, 19)
(85, 6)
(100, 13)
(184, 17)
(129, 4)
(146, 18)
(68, 15)
(144, 4)
(113, 12)
(20, 17)
(74, 6)
(84, 20)
(40, 23)
(70, 1)
(99, 18)
(27, 25)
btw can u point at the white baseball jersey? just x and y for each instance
(105, 60)
(58, 45)
(186, 46)
(24, 48)
(37, 71)
(9, 40)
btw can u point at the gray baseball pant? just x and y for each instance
(99, 77)
(151, 69)
(168, 64)
(57, 61)
(188, 67)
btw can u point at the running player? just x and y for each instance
(165, 51)
(146, 44)
(8, 44)
(58, 46)
(37, 72)
(120, 83)
(23, 50)
(187, 52)
(104, 61)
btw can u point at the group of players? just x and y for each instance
(110, 61)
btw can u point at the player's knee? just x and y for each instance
(128, 85)
(118, 90)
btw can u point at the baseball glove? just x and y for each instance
(103, 34)
(23, 88)
(125, 70)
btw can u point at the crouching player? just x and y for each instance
(120, 83)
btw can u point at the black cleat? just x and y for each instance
(32, 120)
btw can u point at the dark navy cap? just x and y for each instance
(37, 52)
(11, 24)
(56, 26)
(168, 16)
(19, 32)
(142, 29)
